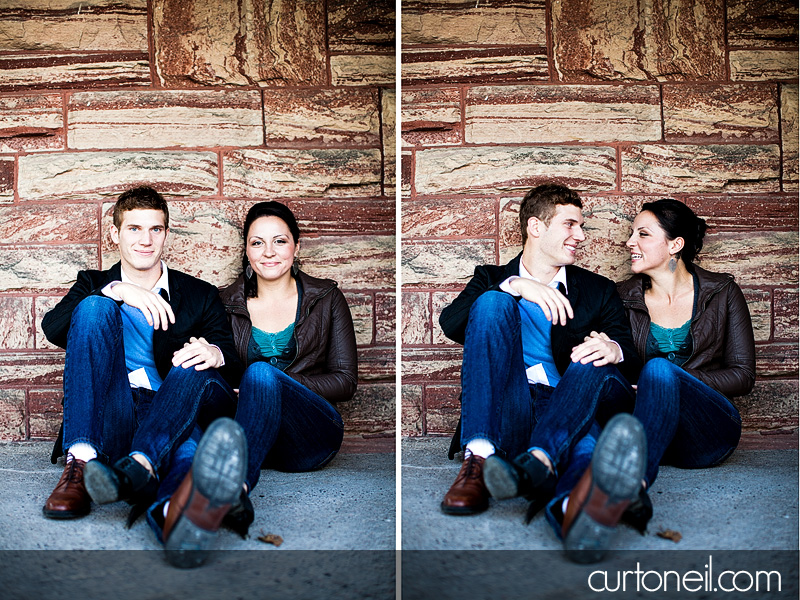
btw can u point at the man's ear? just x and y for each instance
(534, 227)
(115, 234)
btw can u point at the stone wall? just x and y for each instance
(694, 99)
(217, 105)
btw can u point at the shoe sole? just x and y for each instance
(64, 514)
(101, 482)
(618, 465)
(218, 473)
(500, 478)
(461, 511)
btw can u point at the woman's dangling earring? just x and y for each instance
(673, 265)
(248, 272)
(295, 265)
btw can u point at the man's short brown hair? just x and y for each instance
(144, 198)
(541, 203)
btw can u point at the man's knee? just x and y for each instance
(96, 313)
(494, 309)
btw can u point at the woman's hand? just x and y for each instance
(553, 303)
(598, 349)
(155, 309)
(197, 353)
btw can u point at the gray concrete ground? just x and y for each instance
(749, 502)
(349, 505)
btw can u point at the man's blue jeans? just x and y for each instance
(498, 404)
(687, 423)
(101, 409)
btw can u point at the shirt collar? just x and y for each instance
(161, 284)
(560, 276)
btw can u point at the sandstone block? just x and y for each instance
(776, 360)
(361, 25)
(376, 363)
(25, 223)
(16, 323)
(361, 309)
(416, 318)
(6, 180)
(334, 173)
(771, 404)
(41, 267)
(389, 141)
(737, 212)
(411, 410)
(568, 113)
(763, 65)
(438, 263)
(789, 138)
(754, 258)
(406, 177)
(765, 24)
(53, 71)
(302, 116)
(35, 369)
(12, 415)
(204, 240)
(431, 117)
(362, 69)
(358, 263)
(442, 409)
(664, 169)
(786, 312)
(759, 304)
(31, 123)
(439, 300)
(45, 411)
(474, 65)
(385, 321)
(717, 113)
(422, 365)
(503, 169)
(613, 40)
(81, 175)
(43, 25)
(153, 119)
(344, 216)
(371, 410)
(442, 22)
(42, 305)
(279, 43)
(467, 217)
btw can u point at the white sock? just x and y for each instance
(564, 505)
(166, 508)
(481, 447)
(82, 451)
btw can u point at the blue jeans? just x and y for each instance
(498, 404)
(101, 409)
(687, 423)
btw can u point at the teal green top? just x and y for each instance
(272, 344)
(670, 340)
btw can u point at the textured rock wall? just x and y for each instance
(695, 99)
(217, 105)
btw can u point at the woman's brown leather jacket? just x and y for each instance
(723, 348)
(326, 360)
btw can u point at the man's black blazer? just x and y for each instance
(198, 313)
(595, 304)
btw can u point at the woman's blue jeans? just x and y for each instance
(498, 404)
(101, 409)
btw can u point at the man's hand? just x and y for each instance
(155, 309)
(598, 349)
(553, 303)
(197, 353)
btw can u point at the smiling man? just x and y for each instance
(149, 355)
(547, 347)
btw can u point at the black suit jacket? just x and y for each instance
(198, 313)
(595, 304)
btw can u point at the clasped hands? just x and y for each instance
(596, 348)
(197, 352)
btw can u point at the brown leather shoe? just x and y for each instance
(69, 499)
(468, 494)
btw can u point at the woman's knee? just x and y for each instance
(658, 370)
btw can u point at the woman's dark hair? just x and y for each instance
(678, 220)
(264, 209)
